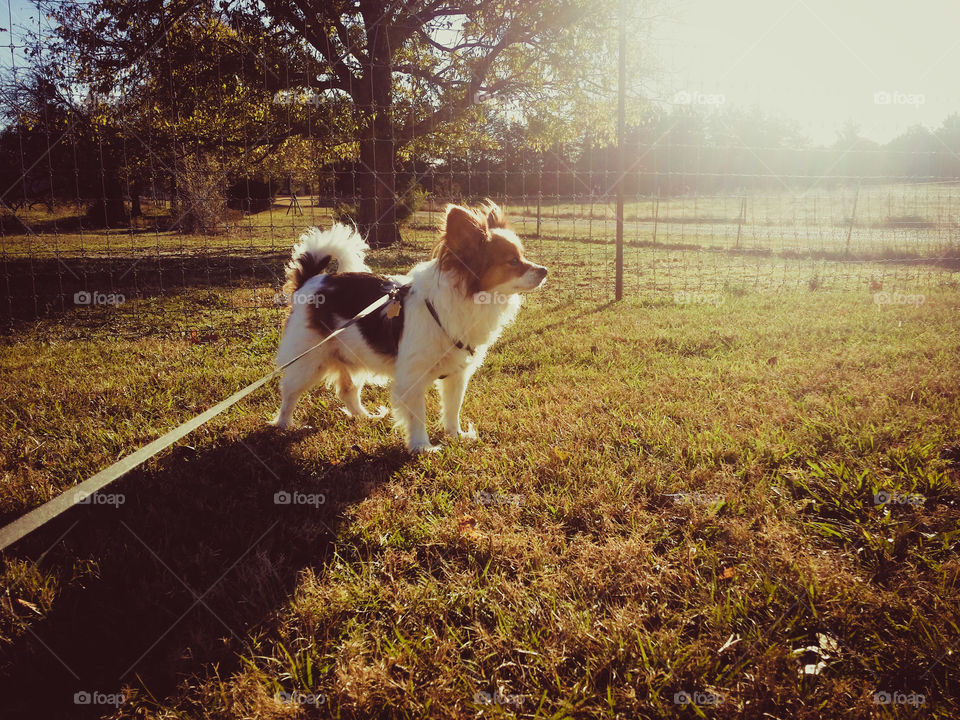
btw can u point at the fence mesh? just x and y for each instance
(166, 199)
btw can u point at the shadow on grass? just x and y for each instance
(37, 287)
(153, 220)
(14, 224)
(33, 287)
(171, 581)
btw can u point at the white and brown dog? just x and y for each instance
(441, 319)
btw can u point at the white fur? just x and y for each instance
(341, 242)
(426, 351)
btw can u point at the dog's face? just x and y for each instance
(483, 255)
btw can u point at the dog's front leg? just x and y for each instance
(452, 389)
(410, 409)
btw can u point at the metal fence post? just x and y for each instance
(621, 123)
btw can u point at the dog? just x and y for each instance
(437, 326)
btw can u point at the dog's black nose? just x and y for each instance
(543, 272)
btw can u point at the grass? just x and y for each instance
(900, 221)
(43, 269)
(668, 499)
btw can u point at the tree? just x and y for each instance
(415, 67)
(52, 147)
(396, 74)
(169, 90)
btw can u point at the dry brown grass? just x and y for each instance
(591, 590)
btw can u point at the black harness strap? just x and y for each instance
(433, 311)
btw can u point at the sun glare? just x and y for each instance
(882, 65)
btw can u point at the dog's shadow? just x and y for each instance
(171, 570)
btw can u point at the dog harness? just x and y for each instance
(457, 343)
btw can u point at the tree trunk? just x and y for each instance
(136, 209)
(108, 208)
(376, 174)
(376, 180)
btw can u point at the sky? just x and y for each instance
(15, 16)
(883, 64)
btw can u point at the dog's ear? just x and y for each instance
(461, 247)
(495, 216)
(463, 226)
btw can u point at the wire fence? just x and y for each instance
(169, 200)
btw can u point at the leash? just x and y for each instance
(26, 524)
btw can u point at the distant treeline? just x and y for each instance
(677, 154)
(54, 153)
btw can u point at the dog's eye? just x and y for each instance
(515, 261)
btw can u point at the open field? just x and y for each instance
(882, 221)
(680, 495)
(689, 244)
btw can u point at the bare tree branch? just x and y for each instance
(454, 110)
(315, 35)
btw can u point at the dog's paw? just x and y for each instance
(364, 414)
(469, 434)
(421, 448)
(278, 423)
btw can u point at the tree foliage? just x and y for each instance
(376, 83)
(365, 100)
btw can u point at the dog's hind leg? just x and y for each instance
(349, 390)
(349, 393)
(298, 378)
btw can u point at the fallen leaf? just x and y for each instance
(727, 573)
(467, 524)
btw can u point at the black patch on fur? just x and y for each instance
(308, 267)
(346, 294)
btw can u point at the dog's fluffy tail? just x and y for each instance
(318, 248)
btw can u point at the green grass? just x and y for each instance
(680, 498)
(915, 221)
